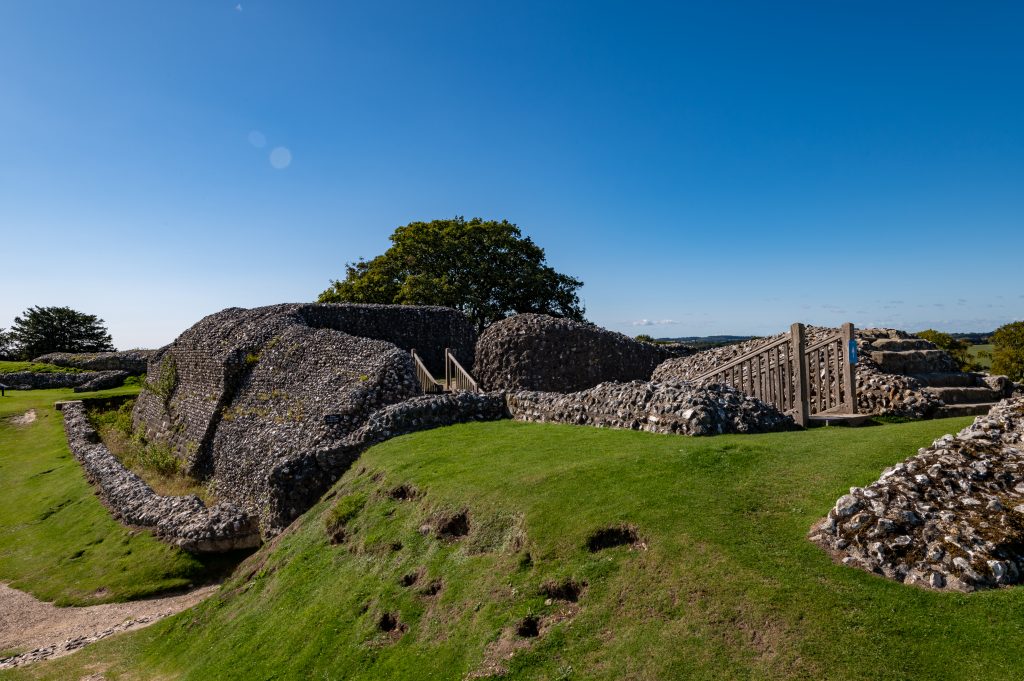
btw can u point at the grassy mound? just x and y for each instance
(557, 552)
(57, 541)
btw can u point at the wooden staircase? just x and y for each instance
(815, 384)
(456, 378)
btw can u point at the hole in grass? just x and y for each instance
(609, 537)
(567, 590)
(409, 579)
(389, 623)
(453, 526)
(525, 561)
(404, 492)
(396, 546)
(433, 588)
(337, 535)
(529, 627)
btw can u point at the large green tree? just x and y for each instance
(40, 330)
(485, 268)
(958, 349)
(1008, 351)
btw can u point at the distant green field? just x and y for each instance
(57, 541)
(720, 583)
(982, 354)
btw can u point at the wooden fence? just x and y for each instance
(456, 378)
(798, 380)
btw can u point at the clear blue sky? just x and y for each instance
(715, 167)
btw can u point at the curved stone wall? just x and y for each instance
(183, 521)
(539, 352)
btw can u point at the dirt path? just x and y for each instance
(43, 631)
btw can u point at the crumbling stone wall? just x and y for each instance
(183, 521)
(949, 517)
(244, 396)
(132, 361)
(674, 408)
(539, 352)
(82, 381)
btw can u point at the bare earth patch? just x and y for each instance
(47, 631)
(25, 419)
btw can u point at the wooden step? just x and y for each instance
(840, 419)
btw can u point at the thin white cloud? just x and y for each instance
(654, 322)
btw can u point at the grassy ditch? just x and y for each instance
(154, 462)
(57, 540)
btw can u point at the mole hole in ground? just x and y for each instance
(454, 526)
(337, 535)
(404, 492)
(433, 588)
(396, 546)
(409, 579)
(568, 590)
(529, 627)
(608, 537)
(388, 622)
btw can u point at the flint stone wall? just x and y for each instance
(183, 521)
(301, 481)
(244, 394)
(950, 517)
(81, 381)
(539, 352)
(673, 408)
(132, 361)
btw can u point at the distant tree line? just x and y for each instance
(41, 330)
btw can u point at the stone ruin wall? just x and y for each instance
(245, 394)
(539, 352)
(183, 521)
(134, 362)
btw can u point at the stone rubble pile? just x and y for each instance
(675, 408)
(950, 517)
(183, 521)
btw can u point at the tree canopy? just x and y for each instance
(40, 330)
(1008, 351)
(486, 269)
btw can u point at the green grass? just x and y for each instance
(982, 354)
(57, 541)
(35, 367)
(722, 584)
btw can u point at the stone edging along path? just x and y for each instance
(46, 631)
(183, 521)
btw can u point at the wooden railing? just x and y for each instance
(456, 378)
(427, 383)
(796, 379)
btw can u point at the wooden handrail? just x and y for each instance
(460, 377)
(427, 382)
(820, 344)
(731, 364)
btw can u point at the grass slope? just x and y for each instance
(57, 541)
(722, 583)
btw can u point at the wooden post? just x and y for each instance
(801, 385)
(849, 369)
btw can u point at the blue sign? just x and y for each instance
(853, 351)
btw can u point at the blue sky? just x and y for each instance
(709, 167)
